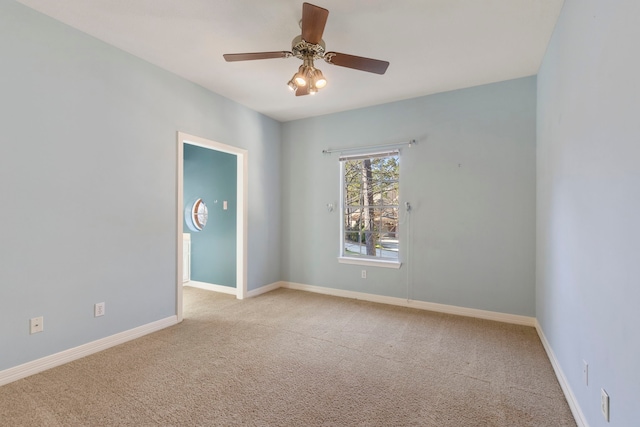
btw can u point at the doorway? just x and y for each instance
(241, 212)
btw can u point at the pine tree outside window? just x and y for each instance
(370, 207)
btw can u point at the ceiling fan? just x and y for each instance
(309, 46)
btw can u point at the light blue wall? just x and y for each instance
(470, 180)
(88, 144)
(88, 161)
(212, 176)
(588, 287)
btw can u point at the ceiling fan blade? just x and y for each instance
(314, 19)
(302, 90)
(356, 62)
(231, 57)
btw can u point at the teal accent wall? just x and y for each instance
(212, 176)
(588, 193)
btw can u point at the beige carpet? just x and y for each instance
(292, 358)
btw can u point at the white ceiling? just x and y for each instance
(432, 45)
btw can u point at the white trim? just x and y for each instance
(562, 379)
(398, 145)
(423, 305)
(370, 155)
(369, 262)
(264, 289)
(242, 219)
(211, 287)
(242, 244)
(66, 356)
(179, 230)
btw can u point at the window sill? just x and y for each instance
(370, 262)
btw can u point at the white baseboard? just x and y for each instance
(264, 289)
(66, 356)
(423, 305)
(564, 384)
(211, 287)
(30, 368)
(233, 291)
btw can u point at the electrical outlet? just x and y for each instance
(36, 325)
(604, 404)
(363, 274)
(98, 309)
(585, 372)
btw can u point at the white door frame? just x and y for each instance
(242, 210)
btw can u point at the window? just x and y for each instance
(196, 215)
(370, 207)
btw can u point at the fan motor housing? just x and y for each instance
(302, 49)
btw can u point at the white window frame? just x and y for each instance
(366, 261)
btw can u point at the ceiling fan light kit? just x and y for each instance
(308, 47)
